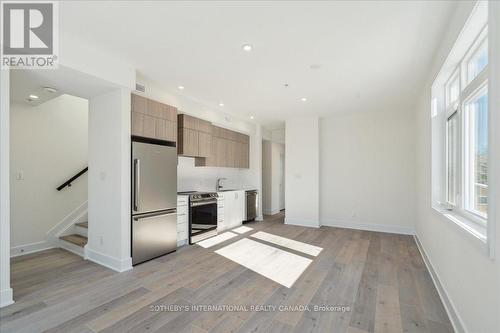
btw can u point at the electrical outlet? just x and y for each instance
(101, 239)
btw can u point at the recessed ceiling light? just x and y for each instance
(50, 90)
(303, 99)
(33, 96)
(251, 117)
(247, 47)
(221, 104)
(180, 87)
(315, 66)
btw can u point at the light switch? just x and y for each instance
(20, 175)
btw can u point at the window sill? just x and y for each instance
(472, 229)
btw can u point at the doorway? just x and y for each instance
(273, 177)
(282, 181)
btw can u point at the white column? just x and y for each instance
(5, 289)
(109, 180)
(302, 172)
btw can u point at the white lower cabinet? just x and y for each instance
(182, 219)
(230, 209)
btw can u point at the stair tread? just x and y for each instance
(83, 225)
(75, 239)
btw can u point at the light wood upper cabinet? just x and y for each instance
(204, 144)
(230, 149)
(152, 119)
(212, 145)
(188, 142)
(194, 136)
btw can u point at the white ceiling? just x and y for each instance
(64, 80)
(372, 55)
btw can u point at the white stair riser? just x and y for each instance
(81, 231)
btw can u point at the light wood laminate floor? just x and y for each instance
(379, 277)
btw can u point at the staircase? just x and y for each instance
(75, 238)
(72, 232)
(79, 238)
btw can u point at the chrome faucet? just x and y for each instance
(218, 186)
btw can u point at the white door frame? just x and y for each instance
(5, 288)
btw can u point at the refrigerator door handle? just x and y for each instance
(137, 182)
(172, 211)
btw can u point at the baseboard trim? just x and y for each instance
(6, 297)
(73, 248)
(21, 250)
(391, 229)
(108, 261)
(456, 320)
(301, 222)
(271, 212)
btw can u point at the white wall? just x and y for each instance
(5, 289)
(302, 172)
(470, 279)
(109, 180)
(367, 172)
(48, 145)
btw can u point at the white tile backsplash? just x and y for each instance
(191, 178)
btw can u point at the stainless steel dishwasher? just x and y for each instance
(252, 205)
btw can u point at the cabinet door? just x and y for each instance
(139, 104)
(172, 131)
(189, 144)
(166, 130)
(231, 154)
(220, 149)
(154, 108)
(238, 163)
(228, 209)
(204, 144)
(245, 156)
(204, 126)
(137, 123)
(149, 127)
(186, 121)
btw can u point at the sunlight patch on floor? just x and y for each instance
(288, 243)
(216, 240)
(242, 229)
(275, 264)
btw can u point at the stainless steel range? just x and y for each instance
(202, 215)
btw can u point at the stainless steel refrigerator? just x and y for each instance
(154, 199)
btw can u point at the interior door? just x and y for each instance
(154, 173)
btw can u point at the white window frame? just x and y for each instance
(480, 43)
(466, 93)
(442, 109)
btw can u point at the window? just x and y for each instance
(477, 62)
(476, 110)
(452, 159)
(453, 90)
(460, 134)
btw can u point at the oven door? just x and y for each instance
(203, 218)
